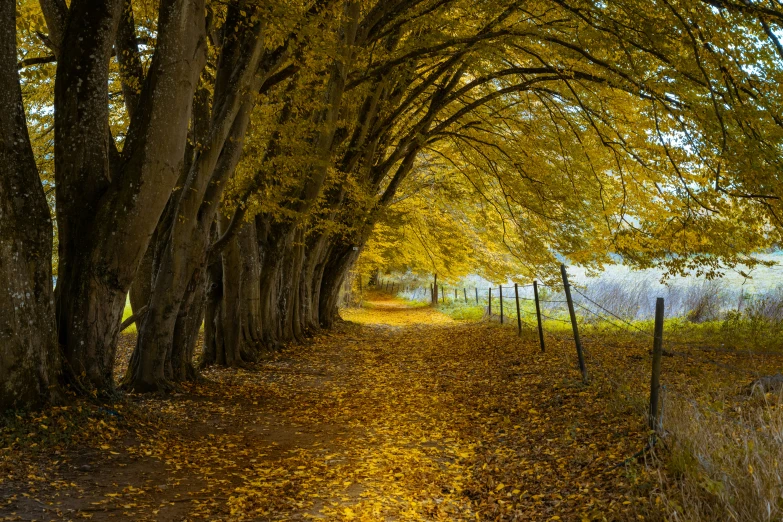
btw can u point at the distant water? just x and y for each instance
(632, 293)
(762, 279)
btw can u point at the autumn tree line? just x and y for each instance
(228, 164)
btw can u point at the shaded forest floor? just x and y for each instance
(398, 414)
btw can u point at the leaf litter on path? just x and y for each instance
(398, 414)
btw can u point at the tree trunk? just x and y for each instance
(213, 323)
(231, 309)
(250, 293)
(342, 258)
(272, 243)
(292, 304)
(29, 362)
(317, 255)
(186, 330)
(185, 251)
(139, 294)
(108, 204)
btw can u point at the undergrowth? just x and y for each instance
(722, 460)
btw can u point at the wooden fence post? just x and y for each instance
(519, 317)
(538, 315)
(655, 381)
(477, 301)
(489, 298)
(575, 327)
(465, 293)
(455, 295)
(500, 296)
(442, 295)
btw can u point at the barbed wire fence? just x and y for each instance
(585, 331)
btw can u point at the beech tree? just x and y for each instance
(29, 362)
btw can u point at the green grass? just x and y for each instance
(127, 313)
(462, 311)
(732, 331)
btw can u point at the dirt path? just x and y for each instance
(400, 414)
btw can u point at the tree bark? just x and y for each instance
(29, 361)
(213, 315)
(139, 294)
(185, 249)
(250, 293)
(186, 331)
(231, 317)
(341, 259)
(108, 204)
(273, 242)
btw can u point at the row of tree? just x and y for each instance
(226, 163)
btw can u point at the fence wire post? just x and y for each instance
(655, 381)
(500, 296)
(574, 326)
(538, 316)
(477, 301)
(519, 316)
(663, 408)
(489, 298)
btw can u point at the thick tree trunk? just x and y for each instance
(213, 315)
(273, 243)
(250, 293)
(29, 361)
(342, 258)
(311, 283)
(317, 259)
(291, 302)
(141, 287)
(185, 250)
(108, 204)
(238, 307)
(186, 330)
(191, 303)
(231, 310)
(90, 293)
